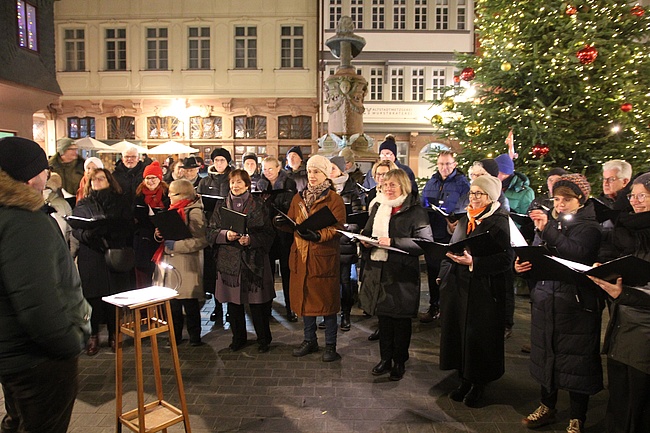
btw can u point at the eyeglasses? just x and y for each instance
(391, 185)
(130, 157)
(477, 194)
(445, 164)
(610, 179)
(638, 197)
(174, 194)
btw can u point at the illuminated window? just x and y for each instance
(163, 127)
(120, 128)
(253, 127)
(294, 127)
(27, 35)
(205, 127)
(80, 127)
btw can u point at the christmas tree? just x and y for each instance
(571, 80)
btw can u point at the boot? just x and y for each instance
(330, 353)
(473, 397)
(305, 348)
(291, 316)
(459, 393)
(397, 372)
(92, 348)
(345, 321)
(433, 313)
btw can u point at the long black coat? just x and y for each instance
(143, 242)
(351, 195)
(392, 288)
(566, 319)
(129, 178)
(472, 305)
(97, 279)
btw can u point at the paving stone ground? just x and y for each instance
(274, 392)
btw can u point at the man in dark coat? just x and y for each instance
(45, 319)
(295, 167)
(128, 172)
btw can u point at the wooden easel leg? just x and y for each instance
(139, 373)
(118, 368)
(177, 369)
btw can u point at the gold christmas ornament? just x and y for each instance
(447, 104)
(506, 66)
(436, 120)
(472, 129)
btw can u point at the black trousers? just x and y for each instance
(260, 315)
(433, 268)
(347, 290)
(40, 399)
(192, 318)
(280, 251)
(102, 313)
(394, 338)
(578, 402)
(628, 408)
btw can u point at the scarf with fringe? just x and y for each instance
(381, 222)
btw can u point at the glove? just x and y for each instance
(280, 220)
(309, 235)
(170, 245)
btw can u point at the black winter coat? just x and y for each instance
(129, 178)
(351, 195)
(472, 305)
(392, 288)
(283, 240)
(97, 279)
(143, 242)
(566, 318)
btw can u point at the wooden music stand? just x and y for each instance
(140, 314)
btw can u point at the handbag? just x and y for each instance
(119, 259)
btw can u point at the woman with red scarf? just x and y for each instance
(186, 259)
(472, 296)
(151, 195)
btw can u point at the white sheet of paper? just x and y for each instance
(516, 238)
(140, 296)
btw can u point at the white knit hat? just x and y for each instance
(490, 185)
(321, 163)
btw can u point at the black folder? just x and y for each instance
(210, 201)
(451, 217)
(633, 270)
(319, 220)
(171, 226)
(233, 221)
(358, 218)
(81, 223)
(479, 246)
(603, 212)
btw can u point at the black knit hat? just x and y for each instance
(390, 145)
(249, 155)
(491, 166)
(22, 159)
(220, 151)
(296, 149)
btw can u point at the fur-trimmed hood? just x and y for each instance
(19, 194)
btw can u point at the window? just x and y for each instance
(205, 127)
(461, 14)
(253, 127)
(241, 150)
(157, 52)
(397, 84)
(438, 83)
(378, 14)
(335, 13)
(298, 127)
(399, 14)
(420, 14)
(442, 14)
(292, 43)
(27, 29)
(75, 50)
(376, 84)
(417, 85)
(115, 49)
(80, 127)
(163, 127)
(120, 128)
(245, 47)
(198, 48)
(356, 13)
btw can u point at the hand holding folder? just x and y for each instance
(318, 220)
(171, 226)
(234, 221)
(480, 245)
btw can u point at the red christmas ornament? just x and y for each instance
(456, 79)
(587, 55)
(637, 10)
(540, 150)
(571, 10)
(626, 107)
(467, 74)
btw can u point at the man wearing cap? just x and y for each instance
(128, 172)
(45, 319)
(191, 170)
(351, 166)
(68, 164)
(295, 167)
(516, 186)
(215, 184)
(445, 190)
(250, 165)
(388, 151)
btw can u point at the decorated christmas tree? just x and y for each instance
(572, 81)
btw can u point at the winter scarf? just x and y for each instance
(154, 198)
(475, 216)
(339, 182)
(312, 193)
(381, 223)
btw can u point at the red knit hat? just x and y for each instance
(153, 169)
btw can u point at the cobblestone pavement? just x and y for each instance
(274, 392)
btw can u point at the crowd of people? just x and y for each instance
(341, 238)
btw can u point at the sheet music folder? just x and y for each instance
(81, 223)
(603, 212)
(233, 220)
(319, 220)
(210, 201)
(479, 246)
(171, 226)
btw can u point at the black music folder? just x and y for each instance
(633, 270)
(479, 246)
(210, 201)
(358, 218)
(171, 226)
(233, 221)
(81, 223)
(603, 212)
(319, 220)
(450, 216)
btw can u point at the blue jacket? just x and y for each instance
(446, 194)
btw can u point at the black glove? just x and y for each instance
(309, 235)
(280, 220)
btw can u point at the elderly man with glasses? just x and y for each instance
(128, 172)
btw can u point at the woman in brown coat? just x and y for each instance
(314, 260)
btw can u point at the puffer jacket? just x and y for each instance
(43, 314)
(519, 193)
(566, 318)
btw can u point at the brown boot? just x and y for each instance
(92, 348)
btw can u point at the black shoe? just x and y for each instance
(207, 295)
(216, 316)
(383, 367)
(291, 316)
(433, 313)
(321, 325)
(263, 348)
(330, 353)
(197, 343)
(305, 348)
(374, 336)
(345, 321)
(473, 397)
(397, 372)
(237, 345)
(459, 393)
